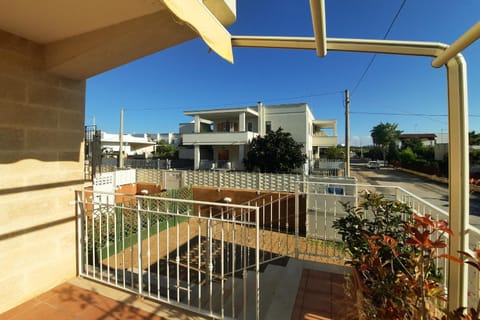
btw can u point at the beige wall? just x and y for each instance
(41, 133)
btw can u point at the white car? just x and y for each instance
(373, 165)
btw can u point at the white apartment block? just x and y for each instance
(132, 144)
(224, 134)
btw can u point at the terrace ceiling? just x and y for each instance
(83, 38)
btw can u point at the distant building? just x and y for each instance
(169, 137)
(428, 139)
(224, 134)
(132, 145)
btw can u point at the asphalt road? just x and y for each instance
(435, 193)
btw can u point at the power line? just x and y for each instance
(375, 55)
(431, 117)
(240, 103)
(408, 114)
(401, 114)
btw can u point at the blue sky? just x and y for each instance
(155, 90)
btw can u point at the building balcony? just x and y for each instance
(320, 140)
(219, 138)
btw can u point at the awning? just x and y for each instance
(200, 19)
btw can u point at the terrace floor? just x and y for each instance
(320, 296)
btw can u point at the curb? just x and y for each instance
(473, 188)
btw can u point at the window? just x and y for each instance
(250, 126)
(227, 126)
(268, 126)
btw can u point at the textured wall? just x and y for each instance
(41, 164)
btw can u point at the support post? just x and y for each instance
(347, 133)
(458, 171)
(457, 123)
(120, 141)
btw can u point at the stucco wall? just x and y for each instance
(292, 119)
(41, 152)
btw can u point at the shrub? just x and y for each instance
(393, 251)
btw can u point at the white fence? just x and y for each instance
(105, 184)
(200, 256)
(173, 179)
(246, 229)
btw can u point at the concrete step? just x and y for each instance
(285, 293)
(269, 281)
(234, 305)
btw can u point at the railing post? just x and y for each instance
(139, 246)
(257, 263)
(80, 234)
(297, 219)
(258, 181)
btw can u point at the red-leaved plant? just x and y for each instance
(394, 252)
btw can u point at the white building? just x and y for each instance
(132, 145)
(169, 137)
(224, 134)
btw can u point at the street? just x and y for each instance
(435, 193)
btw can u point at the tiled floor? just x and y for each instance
(321, 296)
(68, 301)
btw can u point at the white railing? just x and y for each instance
(205, 256)
(325, 204)
(200, 256)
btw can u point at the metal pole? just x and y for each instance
(257, 263)
(458, 172)
(120, 141)
(461, 43)
(80, 233)
(347, 133)
(139, 246)
(457, 123)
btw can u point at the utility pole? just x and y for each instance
(347, 133)
(120, 142)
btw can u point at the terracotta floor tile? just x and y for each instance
(320, 296)
(69, 302)
(19, 310)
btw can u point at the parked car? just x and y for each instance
(373, 165)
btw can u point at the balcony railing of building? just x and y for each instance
(218, 138)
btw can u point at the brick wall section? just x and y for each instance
(41, 152)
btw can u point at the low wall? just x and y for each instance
(473, 188)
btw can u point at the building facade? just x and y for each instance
(45, 57)
(224, 134)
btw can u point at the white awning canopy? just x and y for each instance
(200, 19)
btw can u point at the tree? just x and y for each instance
(412, 143)
(275, 152)
(422, 151)
(164, 150)
(384, 134)
(335, 153)
(474, 138)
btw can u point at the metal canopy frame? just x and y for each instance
(458, 165)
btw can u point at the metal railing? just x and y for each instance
(325, 203)
(206, 256)
(199, 256)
